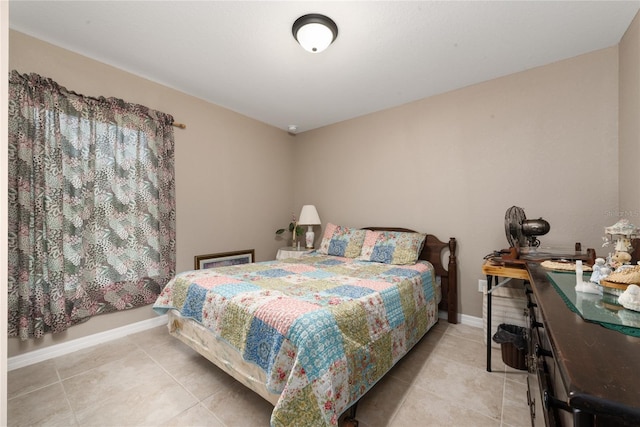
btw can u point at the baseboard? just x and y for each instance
(474, 321)
(465, 319)
(57, 350)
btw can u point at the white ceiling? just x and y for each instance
(241, 55)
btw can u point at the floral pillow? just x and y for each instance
(341, 241)
(392, 247)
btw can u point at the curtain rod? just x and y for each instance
(179, 125)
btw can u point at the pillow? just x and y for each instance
(341, 241)
(392, 247)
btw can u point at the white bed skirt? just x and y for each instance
(220, 353)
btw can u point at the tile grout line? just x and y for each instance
(23, 394)
(168, 373)
(43, 386)
(503, 371)
(198, 401)
(480, 369)
(66, 395)
(504, 390)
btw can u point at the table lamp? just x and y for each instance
(309, 217)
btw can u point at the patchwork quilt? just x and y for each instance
(324, 329)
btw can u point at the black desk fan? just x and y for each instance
(521, 232)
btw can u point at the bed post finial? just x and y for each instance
(452, 297)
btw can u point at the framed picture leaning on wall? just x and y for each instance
(224, 259)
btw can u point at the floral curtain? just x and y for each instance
(91, 205)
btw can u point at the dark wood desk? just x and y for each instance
(592, 373)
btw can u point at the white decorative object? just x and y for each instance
(600, 271)
(309, 217)
(630, 299)
(581, 285)
(579, 272)
(623, 227)
(620, 235)
(588, 287)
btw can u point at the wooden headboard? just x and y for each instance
(432, 251)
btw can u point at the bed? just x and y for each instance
(312, 335)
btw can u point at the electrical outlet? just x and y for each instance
(482, 285)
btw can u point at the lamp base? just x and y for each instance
(309, 237)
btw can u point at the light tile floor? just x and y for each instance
(152, 379)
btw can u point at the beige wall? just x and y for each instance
(629, 122)
(451, 165)
(233, 174)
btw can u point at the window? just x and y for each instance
(91, 205)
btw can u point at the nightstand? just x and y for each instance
(291, 252)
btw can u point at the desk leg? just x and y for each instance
(489, 280)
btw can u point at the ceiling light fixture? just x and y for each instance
(314, 32)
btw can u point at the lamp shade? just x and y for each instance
(314, 32)
(309, 216)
